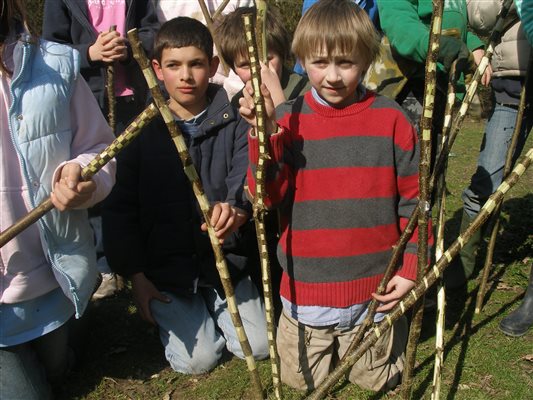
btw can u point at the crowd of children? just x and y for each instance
(342, 179)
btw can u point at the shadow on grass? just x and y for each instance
(114, 345)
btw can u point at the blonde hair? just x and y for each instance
(336, 27)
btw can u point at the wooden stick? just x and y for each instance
(472, 88)
(209, 23)
(110, 88)
(424, 192)
(130, 133)
(190, 171)
(459, 118)
(219, 10)
(495, 221)
(430, 277)
(439, 165)
(260, 26)
(259, 204)
(439, 248)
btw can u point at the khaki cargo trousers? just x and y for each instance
(308, 354)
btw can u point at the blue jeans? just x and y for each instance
(491, 161)
(28, 369)
(194, 330)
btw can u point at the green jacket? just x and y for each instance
(406, 23)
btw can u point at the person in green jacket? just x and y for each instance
(406, 25)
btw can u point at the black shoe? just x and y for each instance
(519, 321)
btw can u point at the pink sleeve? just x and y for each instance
(91, 135)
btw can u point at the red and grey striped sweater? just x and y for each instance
(346, 181)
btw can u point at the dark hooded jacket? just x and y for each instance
(151, 219)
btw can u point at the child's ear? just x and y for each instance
(157, 68)
(213, 66)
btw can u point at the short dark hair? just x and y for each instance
(183, 32)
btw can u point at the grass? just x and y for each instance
(123, 358)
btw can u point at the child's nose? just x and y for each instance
(186, 73)
(332, 74)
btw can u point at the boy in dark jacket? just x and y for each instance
(153, 231)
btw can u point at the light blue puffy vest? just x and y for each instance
(40, 126)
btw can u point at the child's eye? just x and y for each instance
(320, 63)
(346, 63)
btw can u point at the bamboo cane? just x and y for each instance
(495, 221)
(424, 192)
(429, 278)
(130, 133)
(209, 23)
(190, 171)
(259, 203)
(110, 88)
(439, 248)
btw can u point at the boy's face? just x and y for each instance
(185, 72)
(242, 66)
(335, 77)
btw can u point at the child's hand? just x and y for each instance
(69, 190)
(478, 55)
(225, 219)
(247, 107)
(144, 291)
(396, 289)
(270, 78)
(108, 48)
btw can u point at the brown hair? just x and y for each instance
(11, 14)
(336, 27)
(229, 32)
(183, 32)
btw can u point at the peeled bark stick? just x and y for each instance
(439, 248)
(192, 175)
(260, 30)
(130, 133)
(430, 277)
(472, 88)
(110, 89)
(495, 219)
(397, 251)
(209, 23)
(259, 204)
(459, 118)
(424, 191)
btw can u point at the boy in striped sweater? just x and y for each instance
(344, 173)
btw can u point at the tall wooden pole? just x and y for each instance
(192, 175)
(209, 23)
(439, 248)
(110, 89)
(424, 192)
(260, 194)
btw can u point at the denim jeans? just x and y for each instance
(194, 330)
(28, 369)
(491, 161)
